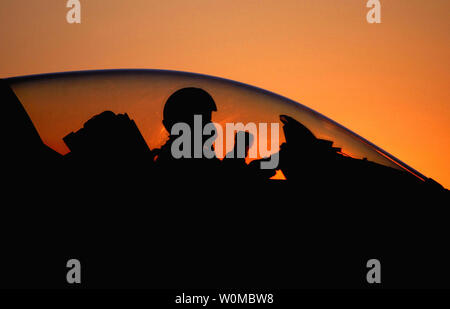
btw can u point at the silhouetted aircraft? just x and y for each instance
(136, 217)
(311, 161)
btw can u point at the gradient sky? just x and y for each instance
(387, 82)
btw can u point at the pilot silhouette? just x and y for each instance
(183, 104)
(181, 107)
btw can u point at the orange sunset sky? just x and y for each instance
(387, 82)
